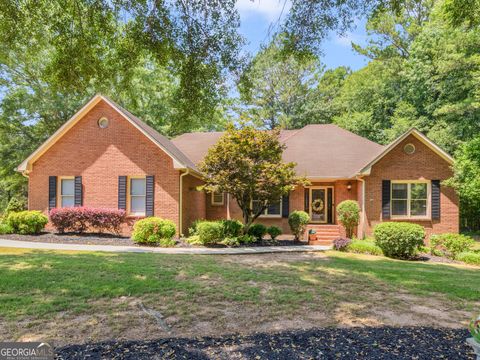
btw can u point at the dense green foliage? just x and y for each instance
(274, 232)
(223, 232)
(26, 222)
(247, 164)
(450, 244)
(364, 247)
(399, 239)
(298, 221)
(469, 257)
(348, 214)
(257, 230)
(155, 231)
(466, 181)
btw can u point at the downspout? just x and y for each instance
(362, 230)
(180, 220)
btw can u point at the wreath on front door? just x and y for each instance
(317, 205)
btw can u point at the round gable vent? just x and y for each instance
(409, 149)
(103, 123)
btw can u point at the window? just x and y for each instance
(410, 199)
(274, 210)
(137, 195)
(217, 198)
(67, 192)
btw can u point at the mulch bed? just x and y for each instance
(328, 343)
(109, 239)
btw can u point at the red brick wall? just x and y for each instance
(424, 164)
(193, 203)
(100, 156)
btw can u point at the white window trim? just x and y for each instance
(272, 216)
(428, 216)
(59, 191)
(129, 196)
(216, 203)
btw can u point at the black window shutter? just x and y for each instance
(307, 201)
(285, 206)
(436, 199)
(385, 199)
(122, 192)
(330, 205)
(52, 192)
(150, 192)
(78, 191)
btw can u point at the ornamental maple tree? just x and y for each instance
(247, 164)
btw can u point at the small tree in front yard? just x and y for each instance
(348, 213)
(247, 163)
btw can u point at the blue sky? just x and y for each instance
(257, 15)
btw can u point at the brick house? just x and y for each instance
(106, 157)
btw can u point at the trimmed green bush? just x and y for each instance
(232, 228)
(298, 221)
(274, 232)
(399, 240)
(450, 245)
(5, 229)
(210, 232)
(257, 230)
(16, 205)
(26, 222)
(348, 214)
(154, 230)
(247, 239)
(469, 257)
(364, 247)
(192, 230)
(231, 242)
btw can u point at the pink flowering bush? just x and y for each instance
(81, 219)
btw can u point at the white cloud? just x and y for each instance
(271, 10)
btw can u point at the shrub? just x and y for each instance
(233, 241)
(247, 239)
(341, 244)
(469, 257)
(26, 222)
(232, 228)
(154, 230)
(348, 214)
(5, 229)
(298, 220)
(274, 232)
(81, 219)
(399, 240)
(210, 232)
(16, 205)
(192, 230)
(364, 247)
(257, 230)
(450, 244)
(193, 240)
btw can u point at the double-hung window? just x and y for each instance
(410, 199)
(67, 192)
(273, 210)
(137, 193)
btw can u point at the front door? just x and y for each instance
(318, 205)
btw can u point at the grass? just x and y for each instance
(40, 285)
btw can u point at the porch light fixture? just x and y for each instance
(349, 186)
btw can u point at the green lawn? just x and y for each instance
(221, 292)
